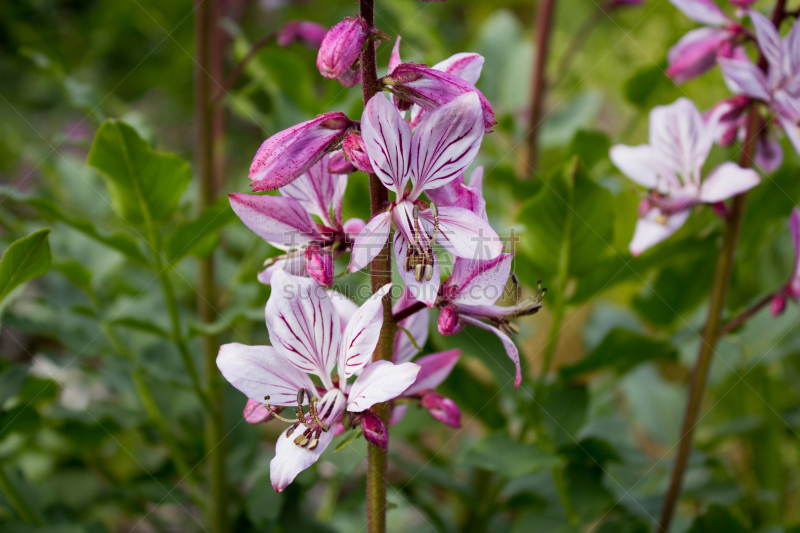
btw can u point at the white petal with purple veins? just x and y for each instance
(387, 138)
(361, 335)
(380, 381)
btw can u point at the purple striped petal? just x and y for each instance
(465, 65)
(416, 325)
(479, 282)
(743, 77)
(380, 381)
(446, 143)
(278, 220)
(702, 11)
(361, 335)
(387, 139)
(289, 153)
(259, 371)
(394, 59)
(769, 43)
(303, 324)
(465, 234)
(695, 53)
(317, 190)
(291, 459)
(370, 241)
(435, 369)
(424, 291)
(508, 344)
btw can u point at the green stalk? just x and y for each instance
(17, 501)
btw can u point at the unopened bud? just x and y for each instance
(341, 47)
(338, 164)
(442, 409)
(356, 152)
(374, 430)
(310, 34)
(448, 320)
(644, 207)
(319, 265)
(256, 412)
(778, 305)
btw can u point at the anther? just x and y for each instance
(517, 288)
(407, 264)
(301, 396)
(299, 439)
(419, 272)
(291, 429)
(434, 210)
(513, 327)
(415, 213)
(505, 329)
(313, 444)
(428, 272)
(303, 442)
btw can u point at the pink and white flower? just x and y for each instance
(307, 339)
(285, 222)
(697, 51)
(671, 169)
(442, 146)
(780, 86)
(469, 296)
(792, 288)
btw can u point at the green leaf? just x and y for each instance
(199, 237)
(570, 225)
(620, 350)
(644, 85)
(262, 503)
(591, 452)
(76, 273)
(498, 453)
(348, 440)
(717, 519)
(590, 146)
(144, 184)
(11, 381)
(565, 412)
(25, 259)
(141, 325)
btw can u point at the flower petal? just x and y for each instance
(370, 241)
(465, 234)
(479, 282)
(361, 335)
(644, 165)
(769, 43)
(695, 53)
(424, 291)
(380, 381)
(291, 459)
(435, 369)
(465, 65)
(317, 189)
(794, 228)
(446, 143)
(259, 371)
(344, 306)
(792, 131)
(679, 132)
(508, 344)
(294, 264)
(278, 220)
(726, 181)
(303, 324)
(394, 59)
(416, 325)
(743, 77)
(256, 412)
(387, 138)
(650, 231)
(702, 11)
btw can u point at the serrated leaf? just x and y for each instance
(620, 351)
(570, 225)
(199, 237)
(143, 184)
(348, 440)
(25, 259)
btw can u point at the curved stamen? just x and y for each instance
(275, 413)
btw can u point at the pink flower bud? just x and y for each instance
(696, 52)
(644, 207)
(721, 209)
(319, 265)
(357, 153)
(374, 430)
(289, 153)
(338, 164)
(430, 88)
(442, 409)
(341, 47)
(310, 34)
(256, 412)
(353, 227)
(448, 320)
(778, 305)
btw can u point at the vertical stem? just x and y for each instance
(543, 27)
(17, 501)
(380, 275)
(208, 138)
(719, 293)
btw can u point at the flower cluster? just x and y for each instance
(319, 333)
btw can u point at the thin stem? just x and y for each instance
(209, 164)
(380, 275)
(17, 501)
(237, 70)
(745, 316)
(719, 293)
(412, 309)
(578, 40)
(544, 23)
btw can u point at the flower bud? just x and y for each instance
(341, 47)
(430, 88)
(448, 320)
(288, 154)
(319, 265)
(721, 209)
(644, 207)
(442, 409)
(338, 164)
(778, 305)
(356, 152)
(353, 227)
(374, 430)
(310, 34)
(696, 52)
(256, 412)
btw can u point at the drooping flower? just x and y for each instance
(469, 296)
(768, 155)
(285, 222)
(780, 86)
(441, 148)
(291, 152)
(671, 169)
(310, 34)
(792, 288)
(305, 332)
(431, 88)
(357, 153)
(697, 51)
(340, 50)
